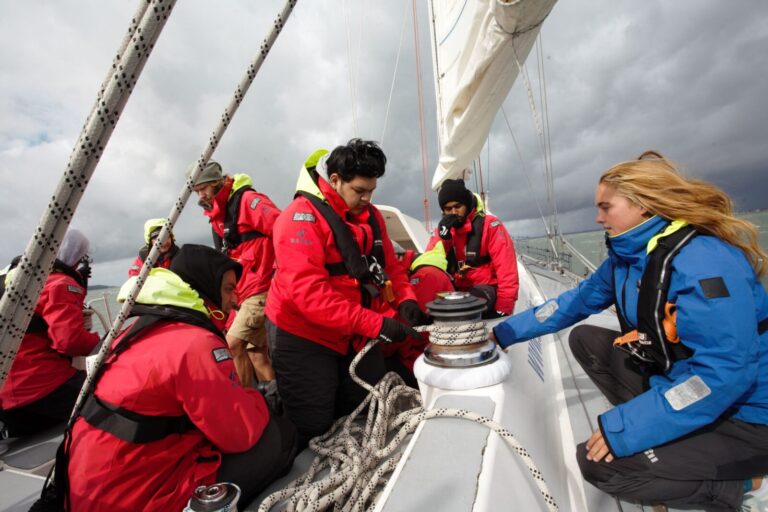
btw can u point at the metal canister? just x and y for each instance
(219, 497)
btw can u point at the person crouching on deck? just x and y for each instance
(481, 255)
(336, 270)
(42, 386)
(688, 373)
(168, 412)
(168, 250)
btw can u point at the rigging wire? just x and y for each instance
(525, 172)
(350, 71)
(548, 141)
(394, 73)
(422, 130)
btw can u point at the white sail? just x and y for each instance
(477, 48)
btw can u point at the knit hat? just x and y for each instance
(211, 172)
(454, 190)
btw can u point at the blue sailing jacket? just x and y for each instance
(728, 371)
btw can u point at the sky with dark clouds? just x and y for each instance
(686, 77)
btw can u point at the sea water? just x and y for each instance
(591, 244)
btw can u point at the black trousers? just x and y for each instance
(54, 408)
(314, 382)
(268, 460)
(705, 468)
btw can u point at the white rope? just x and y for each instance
(394, 74)
(455, 333)
(359, 460)
(20, 298)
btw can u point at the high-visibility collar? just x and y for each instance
(435, 257)
(165, 288)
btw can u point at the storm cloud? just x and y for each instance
(687, 78)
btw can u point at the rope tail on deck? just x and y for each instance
(359, 456)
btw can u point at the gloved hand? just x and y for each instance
(445, 225)
(410, 311)
(392, 330)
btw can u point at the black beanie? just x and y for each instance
(203, 268)
(454, 190)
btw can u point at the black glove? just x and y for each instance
(445, 225)
(410, 311)
(392, 330)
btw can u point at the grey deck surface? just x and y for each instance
(451, 448)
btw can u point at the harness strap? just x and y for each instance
(130, 426)
(232, 238)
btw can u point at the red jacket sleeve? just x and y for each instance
(257, 212)
(61, 306)
(501, 249)
(230, 416)
(301, 250)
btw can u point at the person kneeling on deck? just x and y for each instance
(42, 386)
(687, 378)
(168, 413)
(242, 221)
(336, 270)
(168, 250)
(428, 277)
(481, 255)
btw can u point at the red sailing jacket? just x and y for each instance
(44, 360)
(305, 299)
(259, 213)
(171, 369)
(134, 269)
(500, 271)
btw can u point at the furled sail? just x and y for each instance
(477, 47)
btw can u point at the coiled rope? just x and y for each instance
(359, 458)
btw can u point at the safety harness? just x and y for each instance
(127, 425)
(232, 237)
(367, 269)
(37, 324)
(472, 258)
(655, 344)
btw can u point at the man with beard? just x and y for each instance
(242, 222)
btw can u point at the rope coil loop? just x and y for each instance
(355, 459)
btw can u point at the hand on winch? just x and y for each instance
(393, 330)
(445, 225)
(410, 311)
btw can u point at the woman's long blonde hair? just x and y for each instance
(656, 184)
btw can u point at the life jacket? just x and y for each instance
(650, 344)
(368, 269)
(37, 324)
(474, 240)
(131, 426)
(655, 344)
(232, 238)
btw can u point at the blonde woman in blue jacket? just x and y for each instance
(688, 374)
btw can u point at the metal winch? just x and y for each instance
(459, 308)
